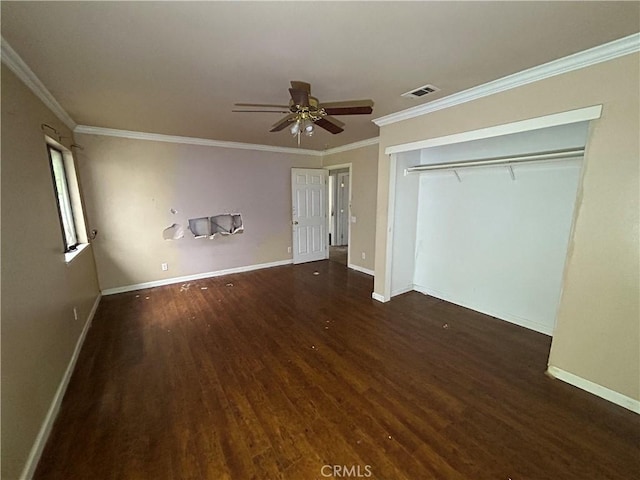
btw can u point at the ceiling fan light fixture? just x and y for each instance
(308, 127)
(295, 128)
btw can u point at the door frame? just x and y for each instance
(382, 290)
(340, 167)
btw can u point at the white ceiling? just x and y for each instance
(177, 68)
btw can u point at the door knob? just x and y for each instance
(295, 222)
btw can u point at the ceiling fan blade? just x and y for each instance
(283, 123)
(298, 85)
(260, 105)
(335, 121)
(260, 111)
(349, 107)
(299, 97)
(330, 124)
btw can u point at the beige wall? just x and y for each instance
(364, 172)
(131, 185)
(39, 291)
(597, 335)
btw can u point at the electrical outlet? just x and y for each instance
(288, 249)
(364, 256)
(75, 313)
(165, 267)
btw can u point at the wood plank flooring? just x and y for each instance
(276, 373)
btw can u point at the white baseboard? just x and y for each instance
(378, 297)
(361, 269)
(43, 435)
(191, 278)
(400, 291)
(595, 389)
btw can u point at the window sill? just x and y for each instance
(70, 256)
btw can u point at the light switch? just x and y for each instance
(353, 219)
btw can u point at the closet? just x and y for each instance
(486, 223)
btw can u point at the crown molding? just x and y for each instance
(352, 146)
(159, 137)
(12, 60)
(586, 58)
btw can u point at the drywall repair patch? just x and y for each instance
(174, 232)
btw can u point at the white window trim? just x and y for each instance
(79, 219)
(70, 256)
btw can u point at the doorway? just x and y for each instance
(339, 213)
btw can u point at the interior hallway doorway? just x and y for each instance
(339, 211)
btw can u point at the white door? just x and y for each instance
(309, 222)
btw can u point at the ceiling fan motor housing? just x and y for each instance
(310, 111)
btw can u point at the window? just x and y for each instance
(65, 207)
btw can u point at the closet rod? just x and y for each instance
(509, 160)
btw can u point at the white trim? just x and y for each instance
(352, 146)
(18, 66)
(337, 166)
(400, 291)
(357, 268)
(595, 389)
(586, 58)
(553, 120)
(378, 297)
(70, 256)
(191, 278)
(160, 137)
(391, 212)
(45, 429)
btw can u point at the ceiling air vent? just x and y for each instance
(421, 91)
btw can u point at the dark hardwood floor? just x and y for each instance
(276, 373)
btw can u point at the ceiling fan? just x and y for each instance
(305, 111)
